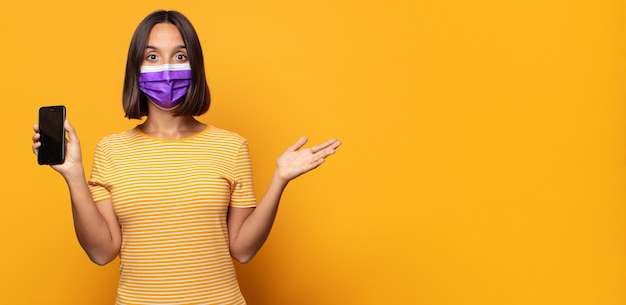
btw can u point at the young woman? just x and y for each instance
(173, 197)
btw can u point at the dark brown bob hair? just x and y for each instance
(198, 98)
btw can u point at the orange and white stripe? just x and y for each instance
(172, 198)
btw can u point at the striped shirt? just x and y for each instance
(171, 198)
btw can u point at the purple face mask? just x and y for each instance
(165, 85)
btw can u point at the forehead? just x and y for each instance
(164, 34)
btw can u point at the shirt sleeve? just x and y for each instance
(242, 195)
(98, 186)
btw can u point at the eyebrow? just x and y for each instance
(155, 48)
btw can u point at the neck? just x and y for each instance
(163, 125)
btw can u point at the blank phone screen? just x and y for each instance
(52, 150)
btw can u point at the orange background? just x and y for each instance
(483, 158)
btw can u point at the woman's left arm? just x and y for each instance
(248, 228)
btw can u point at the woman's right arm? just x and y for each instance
(96, 224)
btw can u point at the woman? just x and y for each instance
(173, 197)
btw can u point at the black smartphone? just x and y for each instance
(52, 139)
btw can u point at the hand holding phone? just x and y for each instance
(52, 135)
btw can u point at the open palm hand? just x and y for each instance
(298, 160)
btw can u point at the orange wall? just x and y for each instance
(483, 158)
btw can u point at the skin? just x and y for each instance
(96, 224)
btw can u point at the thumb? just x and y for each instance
(299, 143)
(70, 130)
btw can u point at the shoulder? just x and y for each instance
(124, 138)
(225, 135)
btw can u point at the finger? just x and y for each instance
(331, 142)
(36, 128)
(330, 150)
(325, 152)
(36, 147)
(298, 144)
(36, 138)
(316, 163)
(70, 131)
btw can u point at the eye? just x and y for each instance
(181, 57)
(151, 57)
